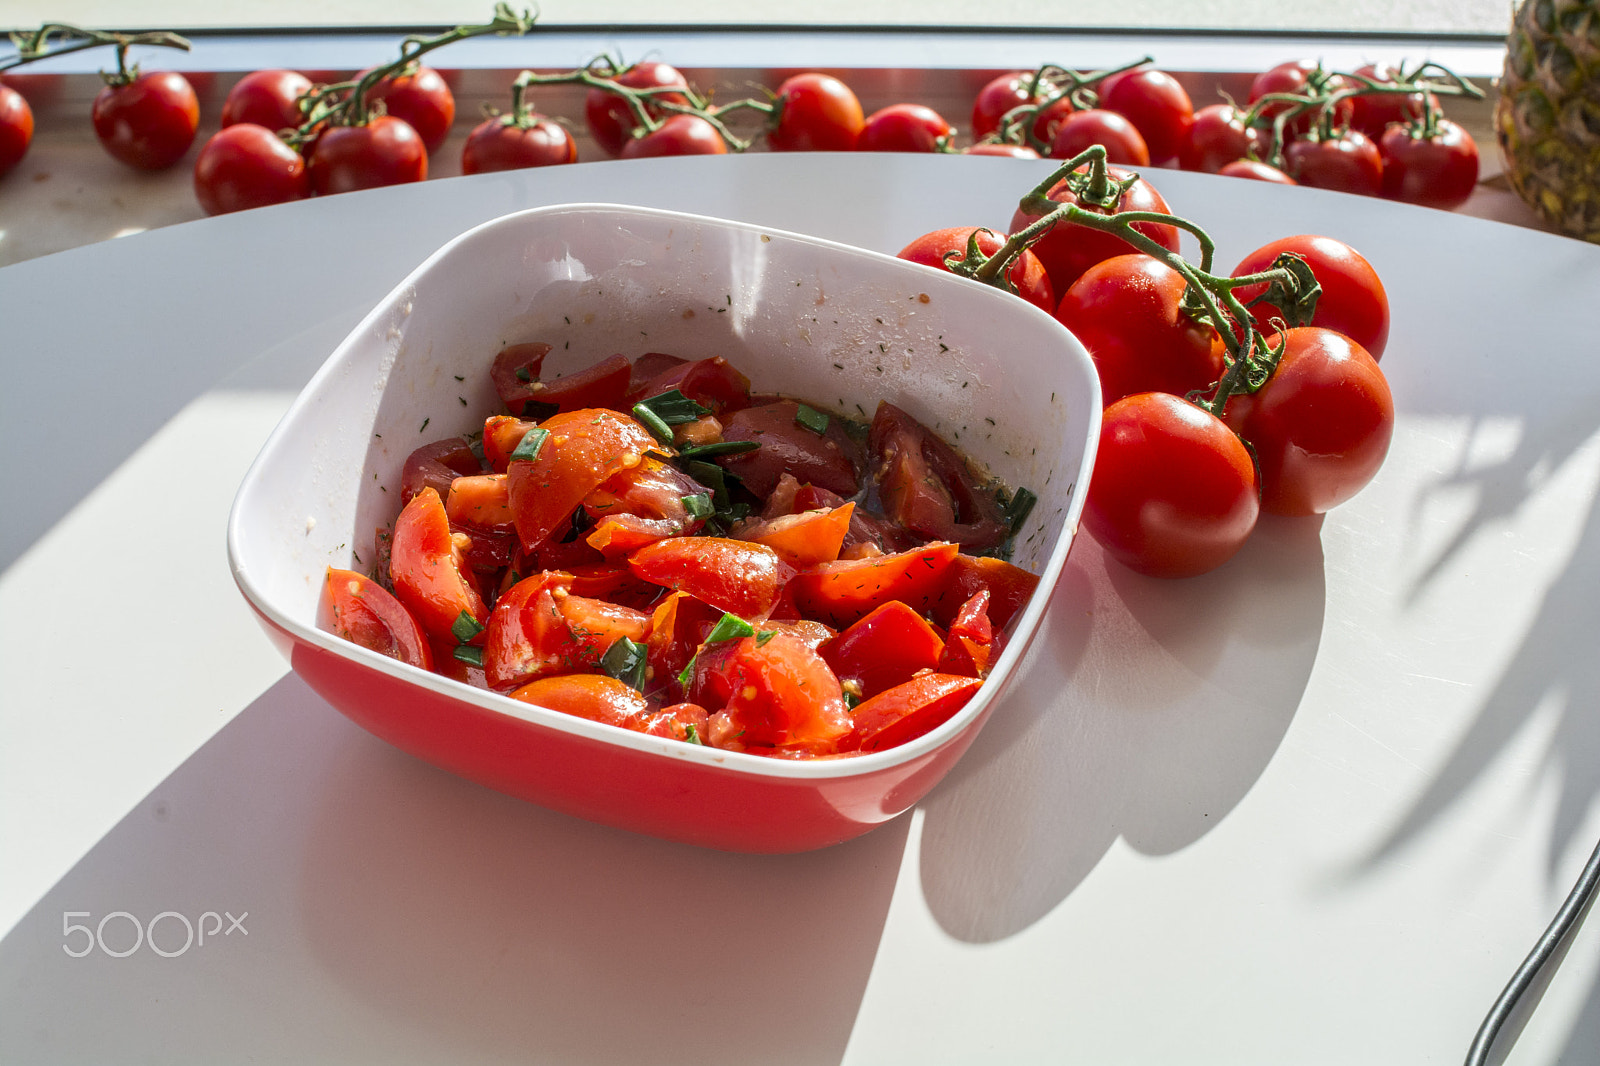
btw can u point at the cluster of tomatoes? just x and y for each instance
(648, 544)
(1225, 395)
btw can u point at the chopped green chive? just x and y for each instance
(686, 674)
(699, 505)
(673, 408)
(1018, 509)
(851, 700)
(653, 422)
(532, 441)
(730, 627)
(692, 735)
(523, 374)
(469, 654)
(721, 447)
(712, 477)
(625, 661)
(812, 419)
(465, 627)
(764, 636)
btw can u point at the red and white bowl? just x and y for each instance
(835, 325)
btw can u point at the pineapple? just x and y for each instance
(1548, 114)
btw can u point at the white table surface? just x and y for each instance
(1312, 808)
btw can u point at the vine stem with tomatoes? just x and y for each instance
(602, 72)
(34, 46)
(1058, 82)
(1249, 361)
(345, 103)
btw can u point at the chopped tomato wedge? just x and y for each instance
(427, 569)
(515, 373)
(602, 385)
(527, 635)
(481, 501)
(812, 634)
(926, 486)
(970, 642)
(677, 628)
(681, 721)
(595, 625)
(362, 611)
(733, 576)
(829, 460)
(582, 450)
(597, 697)
(501, 435)
(841, 592)
(616, 583)
(884, 649)
(803, 539)
(712, 383)
(907, 711)
(1008, 585)
(780, 694)
(436, 465)
(647, 368)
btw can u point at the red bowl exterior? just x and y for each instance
(674, 799)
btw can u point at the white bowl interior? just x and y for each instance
(839, 327)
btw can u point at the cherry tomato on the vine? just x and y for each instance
(385, 151)
(1079, 130)
(1300, 76)
(1128, 312)
(1026, 274)
(1251, 169)
(420, 96)
(1320, 426)
(610, 120)
(1068, 250)
(245, 165)
(16, 128)
(502, 143)
(148, 122)
(1353, 299)
(1372, 113)
(1157, 106)
(815, 113)
(1218, 137)
(903, 128)
(1000, 95)
(1174, 490)
(1345, 161)
(266, 97)
(678, 135)
(1435, 171)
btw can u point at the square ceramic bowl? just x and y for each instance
(835, 325)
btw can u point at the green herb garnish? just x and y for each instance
(812, 419)
(469, 654)
(699, 505)
(528, 448)
(721, 447)
(465, 627)
(625, 661)
(730, 627)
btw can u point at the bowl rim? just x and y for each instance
(742, 763)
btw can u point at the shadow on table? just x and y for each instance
(393, 912)
(1145, 710)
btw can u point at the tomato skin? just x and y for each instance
(841, 592)
(427, 569)
(515, 374)
(926, 487)
(495, 144)
(780, 694)
(803, 539)
(678, 135)
(903, 128)
(362, 611)
(437, 464)
(148, 123)
(816, 113)
(884, 649)
(1081, 129)
(1439, 171)
(902, 714)
(1174, 490)
(1156, 104)
(16, 128)
(1217, 137)
(526, 632)
(1128, 311)
(585, 448)
(738, 577)
(267, 98)
(1008, 586)
(1296, 76)
(245, 165)
(1255, 171)
(597, 697)
(831, 461)
(1068, 250)
(998, 96)
(609, 119)
(420, 97)
(1027, 274)
(1373, 113)
(386, 151)
(1353, 299)
(1345, 162)
(1321, 425)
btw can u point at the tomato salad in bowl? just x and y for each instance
(748, 594)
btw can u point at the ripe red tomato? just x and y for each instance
(1174, 490)
(1068, 250)
(360, 610)
(1353, 299)
(903, 128)
(1437, 171)
(246, 165)
(1218, 137)
(266, 97)
(607, 114)
(1320, 426)
(148, 123)
(678, 135)
(815, 113)
(999, 95)
(1157, 106)
(419, 96)
(1081, 129)
(1254, 171)
(386, 151)
(16, 128)
(1128, 311)
(428, 569)
(1304, 77)
(1026, 274)
(1372, 113)
(502, 143)
(1347, 161)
